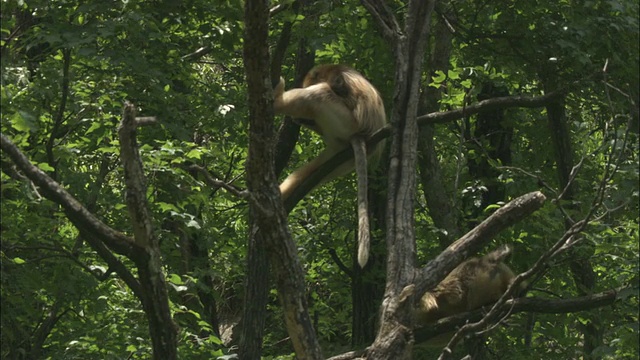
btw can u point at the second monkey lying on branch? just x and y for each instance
(338, 103)
(476, 282)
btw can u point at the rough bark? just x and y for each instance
(148, 260)
(256, 291)
(266, 210)
(257, 282)
(394, 338)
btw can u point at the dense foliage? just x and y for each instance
(68, 66)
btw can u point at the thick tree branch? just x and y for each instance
(154, 294)
(265, 204)
(471, 242)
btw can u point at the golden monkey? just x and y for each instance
(474, 283)
(338, 103)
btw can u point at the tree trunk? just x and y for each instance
(257, 281)
(395, 336)
(256, 289)
(265, 205)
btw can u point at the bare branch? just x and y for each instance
(216, 184)
(134, 179)
(146, 120)
(489, 104)
(387, 22)
(82, 218)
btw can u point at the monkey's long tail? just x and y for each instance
(360, 155)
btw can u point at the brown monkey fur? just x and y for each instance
(338, 103)
(474, 283)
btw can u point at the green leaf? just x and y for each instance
(194, 154)
(45, 167)
(23, 121)
(94, 126)
(439, 77)
(175, 279)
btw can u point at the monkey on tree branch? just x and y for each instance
(338, 103)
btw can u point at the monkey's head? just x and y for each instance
(332, 74)
(324, 73)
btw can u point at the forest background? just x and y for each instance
(512, 122)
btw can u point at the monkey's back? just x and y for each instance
(356, 92)
(474, 283)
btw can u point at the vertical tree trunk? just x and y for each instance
(256, 295)
(395, 334)
(266, 208)
(257, 281)
(155, 301)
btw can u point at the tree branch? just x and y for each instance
(514, 211)
(433, 118)
(529, 304)
(504, 102)
(387, 22)
(216, 184)
(82, 218)
(134, 179)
